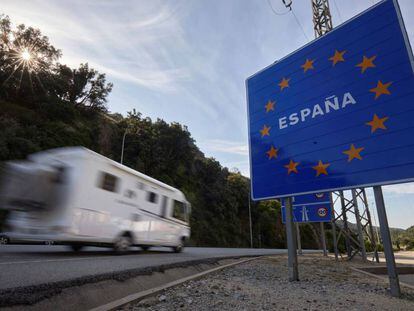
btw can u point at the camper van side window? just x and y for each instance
(130, 194)
(179, 211)
(164, 206)
(109, 182)
(59, 176)
(152, 197)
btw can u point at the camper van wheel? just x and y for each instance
(122, 244)
(179, 248)
(76, 247)
(4, 240)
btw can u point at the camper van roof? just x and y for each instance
(82, 151)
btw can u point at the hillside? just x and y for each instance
(405, 238)
(45, 104)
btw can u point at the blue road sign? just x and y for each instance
(310, 213)
(313, 198)
(336, 114)
(314, 207)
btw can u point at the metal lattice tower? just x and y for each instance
(322, 19)
(358, 207)
(355, 241)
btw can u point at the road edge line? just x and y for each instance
(384, 278)
(140, 295)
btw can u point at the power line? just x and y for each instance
(274, 11)
(288, 6)
(300, 25)
(337, 9)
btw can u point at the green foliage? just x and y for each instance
(30, 74)
(404, 239)
(81, 87)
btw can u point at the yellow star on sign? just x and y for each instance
(366, 63)
(377, 123)
(308, 65)
(272, 153)
(381, 89)
(353, 153)
(284, 83)
(338, 57)
(291, 167)
(270, 106)
(265, 130)
(321, 168)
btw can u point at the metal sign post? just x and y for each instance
(323, 240)
(386, 240)
(291, 242)
(298, 239)
(310, 208)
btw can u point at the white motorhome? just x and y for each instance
(77, 197)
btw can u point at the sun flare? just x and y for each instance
(25, 55)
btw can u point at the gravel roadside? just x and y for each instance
(263, 285)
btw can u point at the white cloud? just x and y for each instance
(225, 146)
(407, 188)
(127, 41)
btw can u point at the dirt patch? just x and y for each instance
(263, 285)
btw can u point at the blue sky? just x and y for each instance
(187, 60)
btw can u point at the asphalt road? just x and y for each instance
(25, 265)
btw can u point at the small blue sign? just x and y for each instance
(309, 213)
(310, 208)
(336, 114)
(313, 198)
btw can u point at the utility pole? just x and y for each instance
(250, 220)
(123, 145)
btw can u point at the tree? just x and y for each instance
(82, 87)
(26, 58)
(30, 73)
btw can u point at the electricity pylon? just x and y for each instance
(355, 242)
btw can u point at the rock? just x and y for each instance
(162, 298)
(147, 302)
(237, 296)
(182, 295)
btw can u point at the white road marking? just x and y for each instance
(51, 260)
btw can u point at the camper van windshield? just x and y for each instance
(180, 211)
